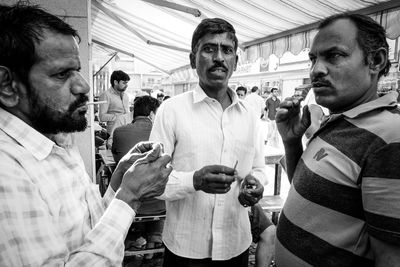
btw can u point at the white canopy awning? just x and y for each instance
(159, 32)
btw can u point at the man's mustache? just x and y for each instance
(78, 102)
(321, 83)
(218, 65)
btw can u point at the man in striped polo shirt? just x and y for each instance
(343, 208)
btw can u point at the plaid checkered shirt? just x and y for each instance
(51, 214)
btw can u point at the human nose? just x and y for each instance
(218, 55)
(79, 85)
(318, 69)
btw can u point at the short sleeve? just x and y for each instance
(381, 193)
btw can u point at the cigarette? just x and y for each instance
(234, 167)
(96, 102)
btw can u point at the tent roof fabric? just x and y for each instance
(161, 36)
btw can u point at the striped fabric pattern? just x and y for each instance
(346, 188)
(197, 132)
(50, 212)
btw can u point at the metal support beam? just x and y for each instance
(129, 54)
(193, 11)
(105, 64)
(114, 16)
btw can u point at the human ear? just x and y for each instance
(192, 58)
(8, 88)
(378, 60)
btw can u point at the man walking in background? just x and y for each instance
(256, 101)
(271, 106)
(116, 98)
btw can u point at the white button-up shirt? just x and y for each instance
(197, 132)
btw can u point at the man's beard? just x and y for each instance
(48, 120)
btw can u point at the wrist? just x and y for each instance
(292, 141)
(196, 184)
(129, 198)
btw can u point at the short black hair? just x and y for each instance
(22, 27)
(242, 88)
(213, 26)
(273, 89)
(254, 89)
(143, 105)
(118, 75)
(370, 35)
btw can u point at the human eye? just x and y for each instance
(228, 50)
(208, 49)
(334, 56)
(63, 74)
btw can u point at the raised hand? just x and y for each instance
(290, 125)
(146, 178)
(140, 150)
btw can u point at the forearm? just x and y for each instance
(179, 185)
(106, 117)
(104, 244)
(293, 152)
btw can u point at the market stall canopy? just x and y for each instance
(159, 32)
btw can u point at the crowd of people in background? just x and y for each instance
(199, 157)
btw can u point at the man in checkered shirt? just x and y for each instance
(50, 212)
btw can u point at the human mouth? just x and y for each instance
(320, 84)
(218, 69)
(82, 109)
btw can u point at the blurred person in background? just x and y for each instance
(124, 138)
(117, 101)
(256, 101)
(241, 92)
(271, 107)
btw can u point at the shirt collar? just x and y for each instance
(141, 118)
(199, 95)
(116, 92)
(36, 143)
(387, 101)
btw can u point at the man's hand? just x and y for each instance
(251, 191)
(290, 126)
(146, 178)
(214, 179)
(140, 150)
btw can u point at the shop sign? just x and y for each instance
(248, 68)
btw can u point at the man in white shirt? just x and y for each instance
(216, 147)
(256, 101)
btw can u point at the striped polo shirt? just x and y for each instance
(346, 187)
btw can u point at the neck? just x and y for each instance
(119, 92)
(221, 95)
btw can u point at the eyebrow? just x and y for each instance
(325, 51)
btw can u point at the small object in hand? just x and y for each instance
(234, 167)
(249, 186)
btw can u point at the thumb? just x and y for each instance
(306, 117)
(153, 154)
